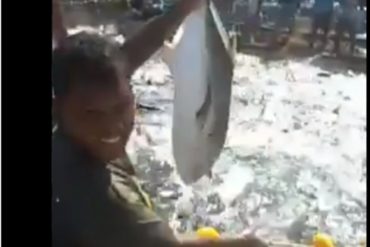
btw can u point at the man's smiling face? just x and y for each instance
(99, 117)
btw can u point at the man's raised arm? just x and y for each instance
(142, 45)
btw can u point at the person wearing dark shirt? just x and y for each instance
(348, 22)
(322, 16)
(286, 17)
(96, 199)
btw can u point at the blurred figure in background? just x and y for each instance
(255, 6)
(167, 5)
(348, 22)
(322, 15)
(286, 17)
(254, 18)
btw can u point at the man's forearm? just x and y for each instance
(151, 37)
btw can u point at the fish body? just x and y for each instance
(200, 59)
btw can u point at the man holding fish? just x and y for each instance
(96, 200)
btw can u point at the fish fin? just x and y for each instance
(201, 114)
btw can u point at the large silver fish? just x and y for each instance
(200, 59)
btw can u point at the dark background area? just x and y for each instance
(26, 116)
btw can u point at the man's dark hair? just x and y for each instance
(84, 59)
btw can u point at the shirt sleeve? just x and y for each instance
(130, 218)
(119, 229)
(103, 222)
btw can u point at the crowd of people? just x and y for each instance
(344, 16)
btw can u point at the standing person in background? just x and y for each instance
(253, 21)
(254, 7)
(286, 17)
(348, 21)
(322, 15)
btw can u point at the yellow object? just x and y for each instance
(363, 243)
(208, 233)
(323, 240)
